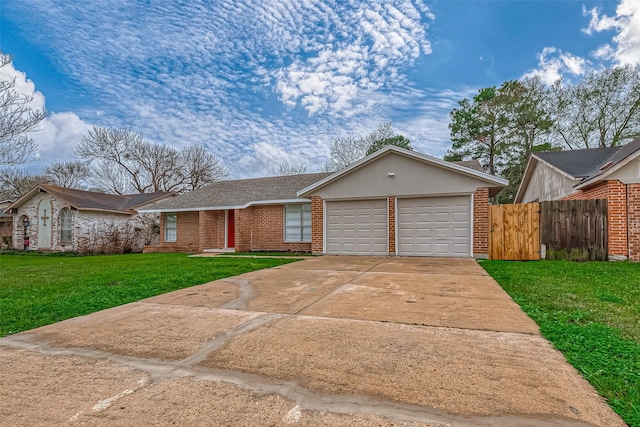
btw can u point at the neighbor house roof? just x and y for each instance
(93, 201)
(587, 166)
(240, 193)
(494, 183)
(471, 164)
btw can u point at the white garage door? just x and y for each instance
(357, 227)
(435, 226)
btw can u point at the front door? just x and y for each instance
(231, 229)
(44, 224)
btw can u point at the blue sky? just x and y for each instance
(264, 82)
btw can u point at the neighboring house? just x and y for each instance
(393, 202)
(597, 173)
(53, 218)
(6, 223)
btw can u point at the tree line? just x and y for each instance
(502, 126)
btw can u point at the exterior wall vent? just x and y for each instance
(606, 165)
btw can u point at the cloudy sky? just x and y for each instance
(264, 82)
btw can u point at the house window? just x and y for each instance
(297, 223)
(66, 225)
(170, 223)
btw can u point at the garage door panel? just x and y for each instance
(357, 227)
(434, 226)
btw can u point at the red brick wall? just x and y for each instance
(481, 221)
(261, 228)
(633, 207)
(212, 225)
(616, 194)
(317, 225)
(187, 234)
(243, 227)
(392, 225)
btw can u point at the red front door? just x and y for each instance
(231, 229)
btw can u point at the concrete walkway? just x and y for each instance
(339, 341)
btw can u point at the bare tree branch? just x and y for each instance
(67, 174)
(291, 168)
(17, 118)
(123, 162)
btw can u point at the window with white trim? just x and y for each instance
(170, 227)
(297, 223)
(66, 225)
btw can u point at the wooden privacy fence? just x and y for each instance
(574, 229)
(514, 232)
(560, 229)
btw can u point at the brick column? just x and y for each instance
(633, 208)
(201, 230)
(317, 221)
(617, 223)
(243, 228)
(481, 222)
(392, 225)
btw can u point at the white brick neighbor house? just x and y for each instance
(50, 218)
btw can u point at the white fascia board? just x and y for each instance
(411, 154)
(202, 208)
(222, 208)
(279, 202)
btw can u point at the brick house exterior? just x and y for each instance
(282, 214)
(51, 218)
(611, 173)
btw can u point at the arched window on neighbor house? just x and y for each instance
(66, 225)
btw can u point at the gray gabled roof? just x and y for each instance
(587, 166)
(239, 193)
(589, 163)
(578, 163)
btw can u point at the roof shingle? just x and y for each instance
(241, 192)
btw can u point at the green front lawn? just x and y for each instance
(591, 313)
(37, 289)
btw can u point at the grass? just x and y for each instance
(591, 313)
(38, 289)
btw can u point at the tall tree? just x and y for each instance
(68, 174)
(501, 127)
(17, 118)
(122, 161)
(478, 129)
(398, 141)
(602, 110)
(529, 124)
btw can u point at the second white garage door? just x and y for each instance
(435, 226)
(357, 227)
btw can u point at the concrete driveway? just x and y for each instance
(339, 341)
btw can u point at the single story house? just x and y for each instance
(611, 173)
(51, 218)
(392, 202)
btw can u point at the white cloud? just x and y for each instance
(22, 85)
(554, 64)
(58, 137)
(626, 22)
(251, 80)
